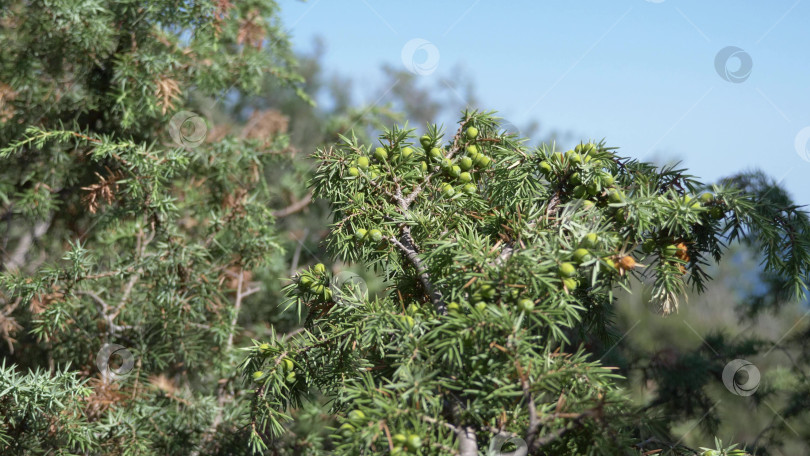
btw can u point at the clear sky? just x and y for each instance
(640, 73)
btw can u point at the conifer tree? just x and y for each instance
(498, 257)
(132, 226)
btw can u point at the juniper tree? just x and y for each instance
(130, 228)
(498, 259)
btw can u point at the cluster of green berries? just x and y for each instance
(460, 171)
(285, 364)
(486, 293)
(315, 282)
(707, 200)
(583, 254)
(362, 165)
(355, 418)
(404, 444)
(581, 185)
(363, 235)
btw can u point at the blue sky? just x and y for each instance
(639, 73)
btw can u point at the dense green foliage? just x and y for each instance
(498, 257)
(161, 208)
(118, 229)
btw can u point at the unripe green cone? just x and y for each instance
(407, 152)
(482, 161)
(319, 268)
(570, 284)
(408, 320)
(545, 168)
(526, 305)
(466, 163)
(375, 235)
(380, 154)
(414, 441)
(361, 234)
(469, 189)
(354, 172)
(487, 291)
(567, 270)
(581, 255)
(305, 282)
(615, 196)
(472, 133)
(346, 429)
(706, 198)
(287, 365)
(589, 240)
(454, 171)
(362, 162)
(257, 375)
(465, 177)
(426, 141)
(579, 191)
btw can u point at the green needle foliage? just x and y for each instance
(116, 231)
(135, 236)
(492, 274)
